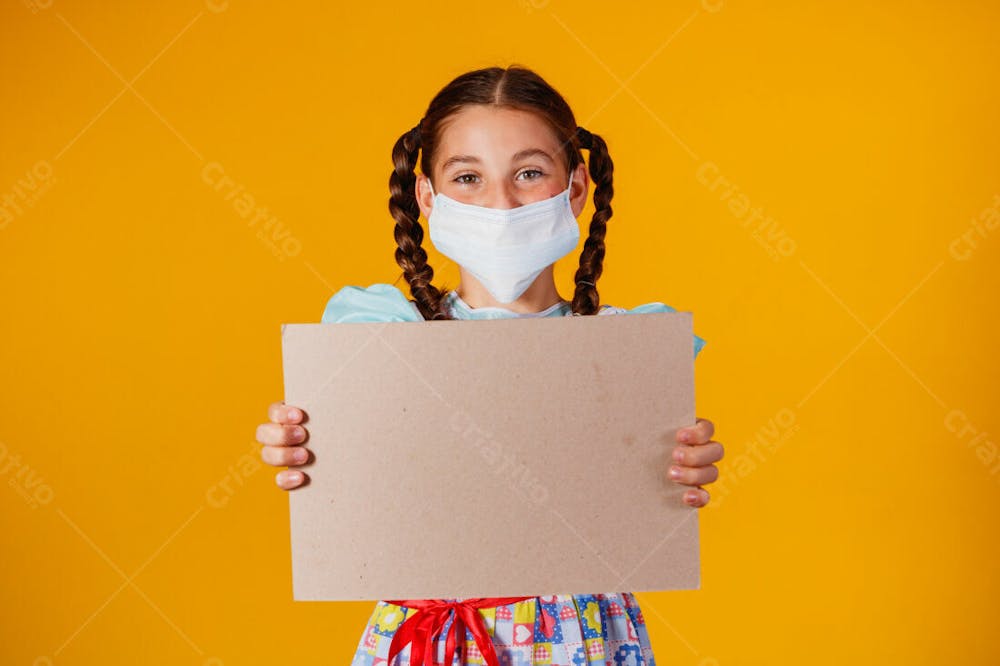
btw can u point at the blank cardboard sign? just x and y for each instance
(491, 458)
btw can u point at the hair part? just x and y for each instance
(512, 87)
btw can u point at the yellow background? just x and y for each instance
(851, 365)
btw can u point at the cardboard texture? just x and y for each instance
(482, 458)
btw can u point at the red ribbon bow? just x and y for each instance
(422, 629)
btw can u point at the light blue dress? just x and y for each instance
(562, 630)
(384, 302)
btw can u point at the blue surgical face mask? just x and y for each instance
(505, 249)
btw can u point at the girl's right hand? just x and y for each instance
(281, 437)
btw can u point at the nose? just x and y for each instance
(504, 197)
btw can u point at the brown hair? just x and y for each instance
(514, 87)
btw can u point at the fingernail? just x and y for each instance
(675, 473)
(678, 455)
(685, 436)
(300, 455)
(295, 477)
(298, 434)
(293, 414)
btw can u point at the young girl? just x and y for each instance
(501, 182)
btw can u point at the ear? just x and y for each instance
(424, 197)
(579, 189)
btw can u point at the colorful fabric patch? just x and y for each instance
(561, 630)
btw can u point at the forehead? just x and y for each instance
(494, 133)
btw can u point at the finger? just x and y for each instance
(275, 434)
(279, 412)
(288, 479)
(284, 455)
(693, 476)
(700, 433)
(697, 455)
(696, 497)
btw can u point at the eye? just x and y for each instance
(532, 174)
(461, 178)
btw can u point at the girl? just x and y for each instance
(501, 183)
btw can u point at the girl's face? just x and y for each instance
(500, 158)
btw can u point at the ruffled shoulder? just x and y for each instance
(379, 302)
(649, 307)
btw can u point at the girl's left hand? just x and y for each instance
(693, 457)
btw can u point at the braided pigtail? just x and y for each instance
(586, 300)
(410, 256)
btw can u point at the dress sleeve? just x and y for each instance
(379, 302)
(651, 307)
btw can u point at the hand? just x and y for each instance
(693, 458)
(280, 438)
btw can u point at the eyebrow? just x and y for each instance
(472, 159)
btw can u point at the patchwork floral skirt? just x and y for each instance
(563, 630)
